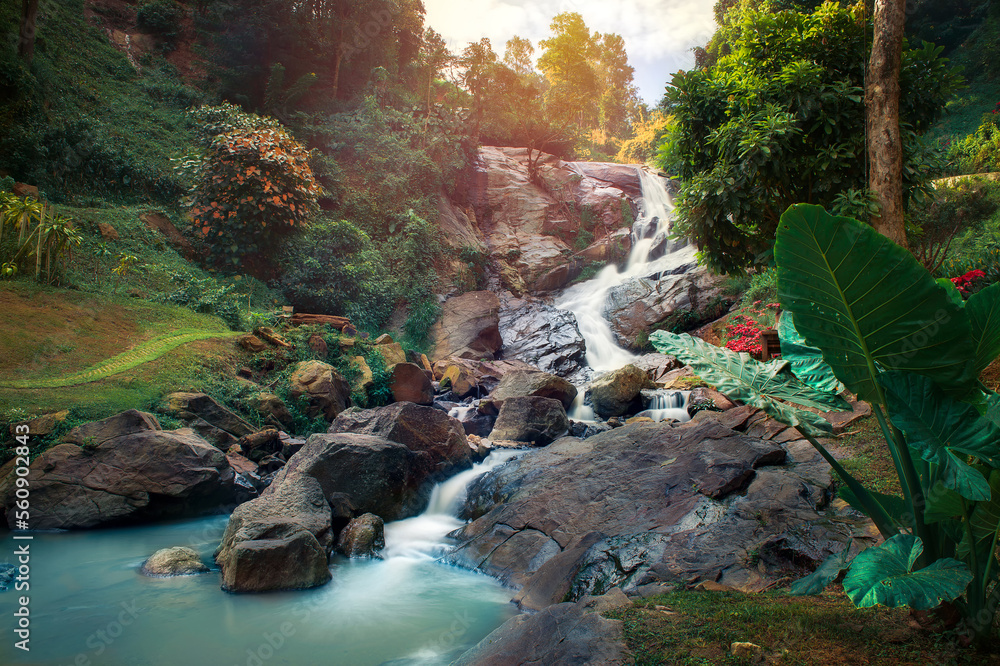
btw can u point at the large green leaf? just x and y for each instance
(825, 574)
(807, 362)
(743, 378)
(985, 519)
(983, 310)
(943, 431)
(867, 303)
(884, 575)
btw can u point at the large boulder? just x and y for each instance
(618, 393)
(411, 384)
(566, 633)
(364, 473)
(326, 391)
(176, 561)
(485, 374)
(438, 440)
(520, 384)
(541, 335)
(284, 556)
(121, 470)
(270, 530)
(469, 327)
(650, 502)
(364, 536)
(637, 305)
(530, 419)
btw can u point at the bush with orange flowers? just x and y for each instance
(253, 185)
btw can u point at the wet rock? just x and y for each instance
(325, 390)
(363, 537)
(657, 365)
(468, 327)
(176, 561)
(617, 393)
(520, 384)
(437, 438)
(286, 531)
(663, 504)
(566, 633)
(373, 474)
(125, 469)
(283, 557)
(637, 305)
(410, 384)
(541, 335)
(531, 419)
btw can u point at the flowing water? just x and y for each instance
(88, 598)
(588, 300)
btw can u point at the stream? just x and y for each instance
(88, 598)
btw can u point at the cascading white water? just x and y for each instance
(423, 536)
(588, 300)
(668, 405)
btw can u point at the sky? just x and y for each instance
(659, 34)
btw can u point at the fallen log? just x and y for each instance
(301, 319)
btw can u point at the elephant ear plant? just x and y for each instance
(911, 347)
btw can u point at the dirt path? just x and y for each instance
(143, 353)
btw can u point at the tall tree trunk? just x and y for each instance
(29, 18)
(885, 148)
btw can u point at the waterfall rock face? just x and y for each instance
(638, 304)
(541, 335)
(711, 499)
(529, 219)
(469, 327)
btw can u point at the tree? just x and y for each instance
(29, 20)
(518, 55)
(780, 120)
(567, 63)
(885, 147)
(479, 64)
(253, 185)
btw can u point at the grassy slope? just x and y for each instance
(109, 129)
(55, 332)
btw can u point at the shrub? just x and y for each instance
(980, 151)
(332, 268)
(162, 18)
(207, 296)
(253, 185)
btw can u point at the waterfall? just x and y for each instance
(651, 254)
(423, 537)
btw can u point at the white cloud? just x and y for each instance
(659, 34)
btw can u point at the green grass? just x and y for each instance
(143, 353)
(695, 627)
(867, 457)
